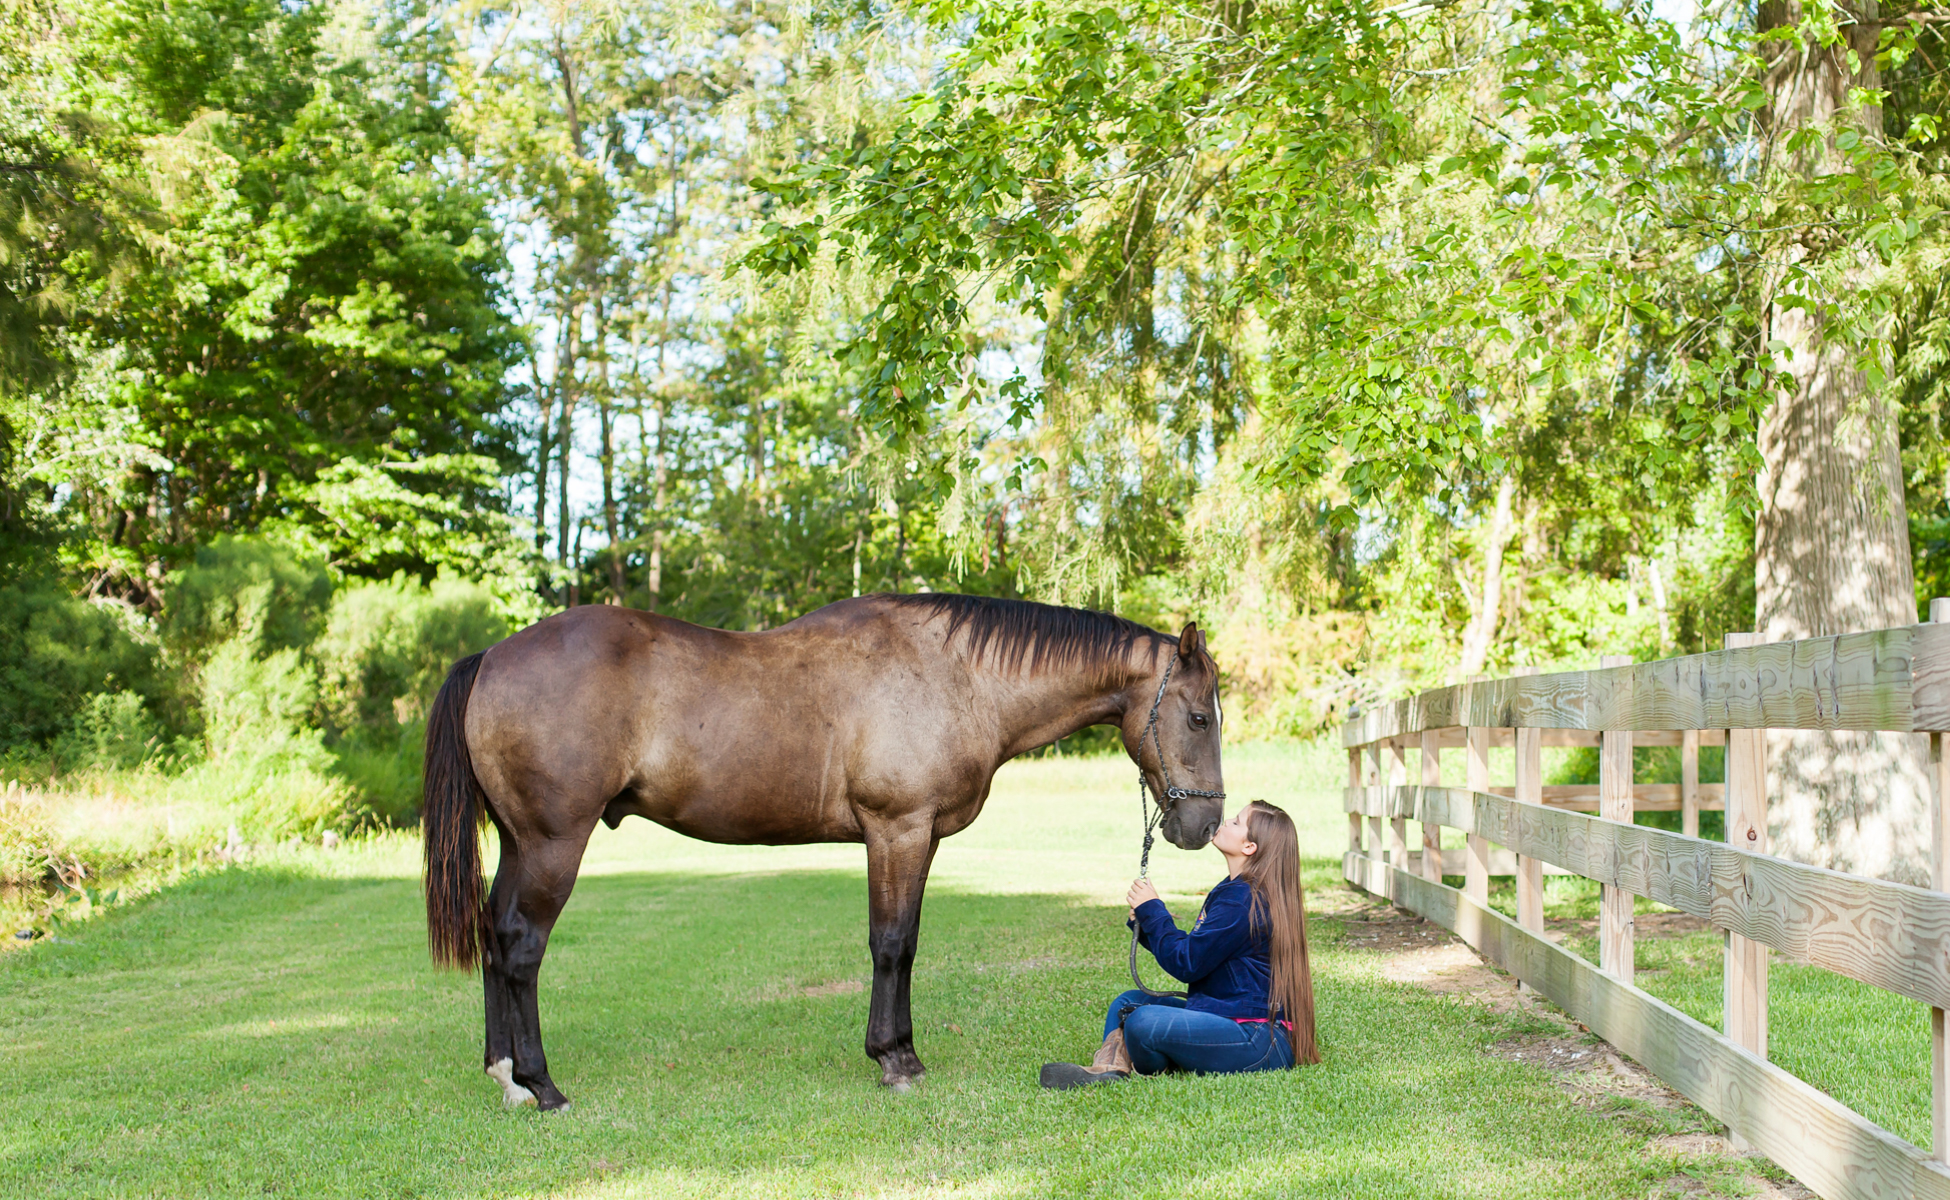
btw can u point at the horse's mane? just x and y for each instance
(1012, 631)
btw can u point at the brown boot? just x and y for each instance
(1111, 1056)
(1111, 1064)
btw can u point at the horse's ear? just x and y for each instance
(1191, 640)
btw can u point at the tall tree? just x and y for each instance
(1831, 540)
(321, 290)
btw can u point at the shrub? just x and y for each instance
(256, 707)
(28, 848)
(244, 587)
(55, 653)
(385, 650)
(383, 772)
(112, 731)
(275, 796)
(266, 765)
(387, 647)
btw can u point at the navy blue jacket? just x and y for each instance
(1227, 971)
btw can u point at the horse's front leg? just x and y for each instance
(898, 855)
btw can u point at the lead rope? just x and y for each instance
(1151, 821)
(1144, 872)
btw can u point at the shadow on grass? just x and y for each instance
(282, 1034)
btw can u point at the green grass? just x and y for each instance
(278, 1030)
(1868, 1048)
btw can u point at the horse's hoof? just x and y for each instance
(550, 1100)
(513, 1095)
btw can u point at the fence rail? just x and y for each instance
(1894, 680)
(1888, 935)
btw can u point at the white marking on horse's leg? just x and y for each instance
(502, 1071)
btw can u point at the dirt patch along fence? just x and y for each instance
(1889, 935)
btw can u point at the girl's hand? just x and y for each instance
(1141, 891)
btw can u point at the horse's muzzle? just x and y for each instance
(1191, 830)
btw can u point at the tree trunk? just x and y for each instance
(1480, 633)
(606, 413)
(1655, 574)
(660, 482)
(544, 449)
(756, 470)
(1831, 540)
(565, 392)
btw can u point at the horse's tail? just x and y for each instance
(452, 810)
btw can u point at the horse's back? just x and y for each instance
(785, 736)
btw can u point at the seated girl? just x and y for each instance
(1250, 1001)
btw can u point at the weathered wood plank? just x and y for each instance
(1502, 862)
(1431, 834)
(1669, 794)
(1615, 948)
(1888, 679)
(1398, 825)
(1826, 1145)
(1476, 873)
(1689, 796)
(1646, 797)
(1582, 797)
(1529, 790)
(1453, 738)
(1375, 774)
(1930, 678)
(1891, 935)
(1743, 978)
(1940, 880)
(1353, 785)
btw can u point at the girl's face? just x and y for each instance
(1231, 839)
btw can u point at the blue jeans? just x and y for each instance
(1161, 1034)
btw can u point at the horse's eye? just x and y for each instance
(1198, 720)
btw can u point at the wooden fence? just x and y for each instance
(1886, 934)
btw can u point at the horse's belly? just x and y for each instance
(751, 820)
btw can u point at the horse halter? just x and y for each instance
(1173, 794)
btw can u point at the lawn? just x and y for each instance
(1868, 1048)
(278, 1030)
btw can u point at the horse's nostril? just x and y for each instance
(1211, 827)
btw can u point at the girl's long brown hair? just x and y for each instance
(1280, 912)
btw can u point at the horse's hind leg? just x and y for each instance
(546, 874)
(499, 1057)
(897, 872)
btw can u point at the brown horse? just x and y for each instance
(879, 720)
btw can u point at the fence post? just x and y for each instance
(1398, 825)
(1530, 790)
(1615, 804)
(1353, 816)
(1745, 974)
(1940, 880)
(1689, 782)
(1431, 832)
(1375, 779)
(1476, 863)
